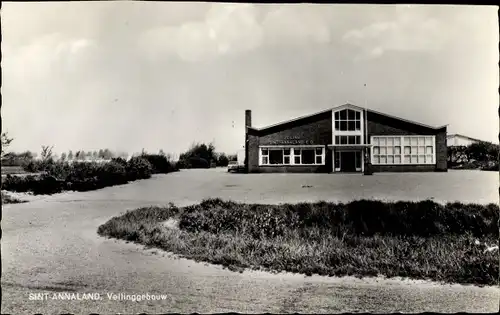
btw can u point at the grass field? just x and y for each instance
(420, 240)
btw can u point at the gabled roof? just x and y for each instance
(347, 106)
(464, 137)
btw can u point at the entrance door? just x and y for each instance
(348, 162)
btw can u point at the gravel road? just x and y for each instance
(50, 245)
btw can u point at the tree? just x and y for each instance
(161, 152)
(46, 153)
(100, 154)
(70, 155)
(107, 154)
(94, 155)
(63, 156)
(5, 143)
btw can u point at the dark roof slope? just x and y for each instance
(382, 117)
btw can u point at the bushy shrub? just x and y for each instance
(197, 162)
(159, 163)
(139, 168)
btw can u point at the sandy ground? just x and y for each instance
(50, 245)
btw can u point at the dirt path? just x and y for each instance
(50, 245)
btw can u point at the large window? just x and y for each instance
(347, 139)
(403, 150)
(347, 120)
(292, 156)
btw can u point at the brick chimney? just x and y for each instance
(248, 123)
(248, 118)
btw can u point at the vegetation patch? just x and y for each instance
(58, 176)
(8, 199)
(421, 240)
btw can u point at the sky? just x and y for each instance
(143, 75)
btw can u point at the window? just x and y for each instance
(403, 149)
(292, 156)
(276, 156)
(347, 120)
(297, 156)
(308, 156)
(347, 139)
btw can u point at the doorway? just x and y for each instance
(348, 161)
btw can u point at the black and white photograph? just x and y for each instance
(217, 157)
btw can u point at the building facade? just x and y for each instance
(456, 140)
(345, 139)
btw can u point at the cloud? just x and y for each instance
(410, 30)
(225, 29)
(234, 28)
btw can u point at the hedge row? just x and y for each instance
(84, 176)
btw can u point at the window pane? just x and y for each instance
(407, 150)
(414, 141)
(390, 141)
(296, 160)
(319, 159)
(375, 141)
(382, 141)
(286, 151)
(421, 150)
(397, 141)
(383, 151)
(358, 139)
(390, 150)
(390, 159)
(397, 150)
(376, 150)
(358, 115)
(287, 159)
(319, 151)
(421, 141)
(337, 125)
(265, 152)
(351, 125)
(343, 139)
(383, 159)
(376, 159)
(421, 159)
(343, 114)
(407, 159)
(307, 156)
(296, 152)
(337, 139)
(343, 126)
(428, 140)
(397, 159)
(428, 159)
(428, 149)
(358, 125)
(276, 156)
(406, 141)
(352, 140)
(336, 115)
(414, 159)
(265, 160)
(350, 114)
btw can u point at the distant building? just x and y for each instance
(335, 140)
(455, 140)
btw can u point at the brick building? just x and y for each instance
(335, 140)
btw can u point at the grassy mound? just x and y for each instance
(422, 240)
